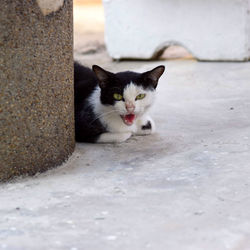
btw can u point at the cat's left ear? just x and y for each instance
(102, 75)
(153, 75)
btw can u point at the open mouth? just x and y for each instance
(128, 119)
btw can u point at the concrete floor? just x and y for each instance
(186, 187)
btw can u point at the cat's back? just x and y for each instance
(85, 81)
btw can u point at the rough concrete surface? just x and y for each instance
(36, 75)
(186, 187)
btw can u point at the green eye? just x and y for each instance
(118, 97)
(140, 96)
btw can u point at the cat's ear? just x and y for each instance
(102, 75)
(153, 75)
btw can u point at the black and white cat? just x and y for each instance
(109, 107)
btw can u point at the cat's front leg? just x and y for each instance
(113, 137)
(145, 126)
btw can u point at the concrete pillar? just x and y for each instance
(36, 77)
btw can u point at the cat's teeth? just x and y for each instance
(128, 119)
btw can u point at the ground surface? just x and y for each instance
(186, 187)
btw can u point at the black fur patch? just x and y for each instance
(87, 127)
(147, 126)
(117, 82)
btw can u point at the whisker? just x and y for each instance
(106, 113)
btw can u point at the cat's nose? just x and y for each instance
(130, 106)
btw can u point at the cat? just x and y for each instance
(109, 107)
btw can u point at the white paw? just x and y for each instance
(113, 137)
(123, 136)
(145, 126)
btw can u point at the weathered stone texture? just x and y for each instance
(36, 76)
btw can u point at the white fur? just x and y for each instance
(110, 115)
(130, 93)
(143, 121)
(114, 137)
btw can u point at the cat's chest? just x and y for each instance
(115, 124)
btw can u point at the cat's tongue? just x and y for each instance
(128, 119)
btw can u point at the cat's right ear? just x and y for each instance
(102, 75)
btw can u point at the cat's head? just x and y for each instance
(129, 93)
